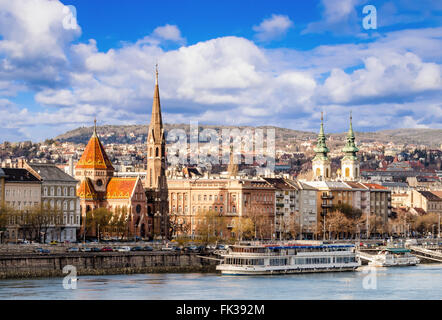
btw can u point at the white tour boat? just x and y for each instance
(392, 257)
(290, 258)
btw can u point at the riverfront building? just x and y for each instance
(58, 191)
(230, 197)
(22, 193)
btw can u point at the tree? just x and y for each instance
(99, 217)
(425, 223)
(243, 227)
(6, 213)
(211, 226)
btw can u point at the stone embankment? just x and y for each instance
(23, 263)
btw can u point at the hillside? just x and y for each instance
(138, 133)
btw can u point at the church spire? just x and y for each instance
(232, 168)
(156, 122)
(350, 148)
(94, 134)
(321, 146)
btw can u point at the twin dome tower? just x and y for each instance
(349, 163)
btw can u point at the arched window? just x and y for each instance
(318, 172)
(327, 173)
(156, 152)
(347, 172)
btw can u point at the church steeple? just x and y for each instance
(156, 121)
(321, 149)
(321, 162)
(156, 181)
(350, 163)
(350, 148)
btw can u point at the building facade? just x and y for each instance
(22, 194)
(229, 197)
(58, 190)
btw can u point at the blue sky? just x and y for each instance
(221, 62)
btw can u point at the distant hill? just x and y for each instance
(138, 133)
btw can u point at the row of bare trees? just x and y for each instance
(31, 223)
(104, 223)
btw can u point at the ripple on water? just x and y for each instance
(418, 282)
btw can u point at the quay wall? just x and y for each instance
(102, 263)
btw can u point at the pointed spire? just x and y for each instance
(232, 168)
(94, 134)
(156, 122)
(350, 148)
(321, 146)
(156, 74)
(350, 130)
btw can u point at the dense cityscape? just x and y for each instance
(54, 191)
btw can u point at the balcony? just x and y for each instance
(280, 205)
(326, 205)
(326, 196)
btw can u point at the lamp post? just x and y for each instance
(98, 234)
(438, 232)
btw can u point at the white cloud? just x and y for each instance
(168, 32)
(273, 28)
(386, 75)
(227, 80)
(338, 16)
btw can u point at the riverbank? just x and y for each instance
(102, 263)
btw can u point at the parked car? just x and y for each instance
(191, 248)
(177, 248)
(211, 247)
(85, 249)
(136, 249)
(95, 249)
(53, 242)
(147, 248)
(73, 249)
(106, 249)
(167, 248)
(123, 249)
(41, 250)
(221, 247)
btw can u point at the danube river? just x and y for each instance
(420, 282)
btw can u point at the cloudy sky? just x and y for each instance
(242, 62)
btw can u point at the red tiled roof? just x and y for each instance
(94, 156)
(86, 190)
(375, 186)
(120, 188)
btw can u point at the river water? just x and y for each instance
(419, 282)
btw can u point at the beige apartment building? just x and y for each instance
(229, 197)
(22, 192)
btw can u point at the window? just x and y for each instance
(72, 191)
(45, 191)
(58, 191)
(72, 205)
